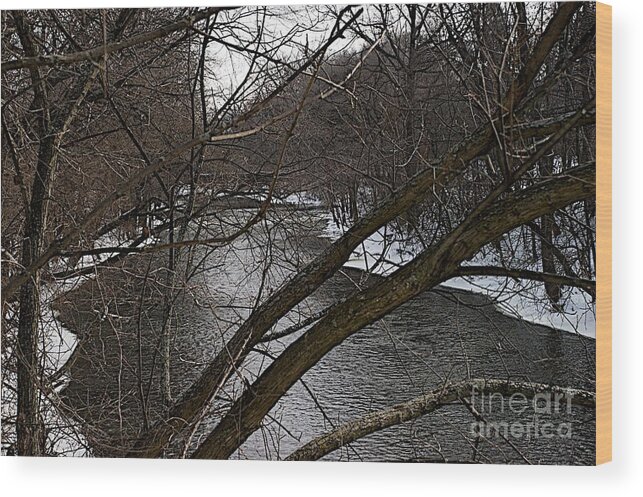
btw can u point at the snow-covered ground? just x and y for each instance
(385, 251)
(297, 199)
(527, 300)
(381, 253)
(302, 199)
(59, 342)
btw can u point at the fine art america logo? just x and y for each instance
(547, 405)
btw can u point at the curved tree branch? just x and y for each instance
(427, 403)
(587, 285)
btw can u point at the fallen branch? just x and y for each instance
(427, 403)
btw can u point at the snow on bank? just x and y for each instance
(385, 251)
(528, 301)
(381, 253)
(302, 199)
(59, 342)
(59, 345)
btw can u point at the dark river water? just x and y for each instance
(442, 335)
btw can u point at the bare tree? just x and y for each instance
(134, 167)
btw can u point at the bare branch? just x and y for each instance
(428, 403)
(587, 285)
(97, 53)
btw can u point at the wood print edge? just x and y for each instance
(604, 233)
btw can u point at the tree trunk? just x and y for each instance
(553, 290)
(410, 121)
(166, 335)
(30, 431)
(30, 427)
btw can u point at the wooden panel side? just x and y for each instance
(604, 233)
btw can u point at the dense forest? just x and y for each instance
(203, 209)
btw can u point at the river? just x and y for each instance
(443, 334)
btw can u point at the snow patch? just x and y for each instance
(385, 251)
